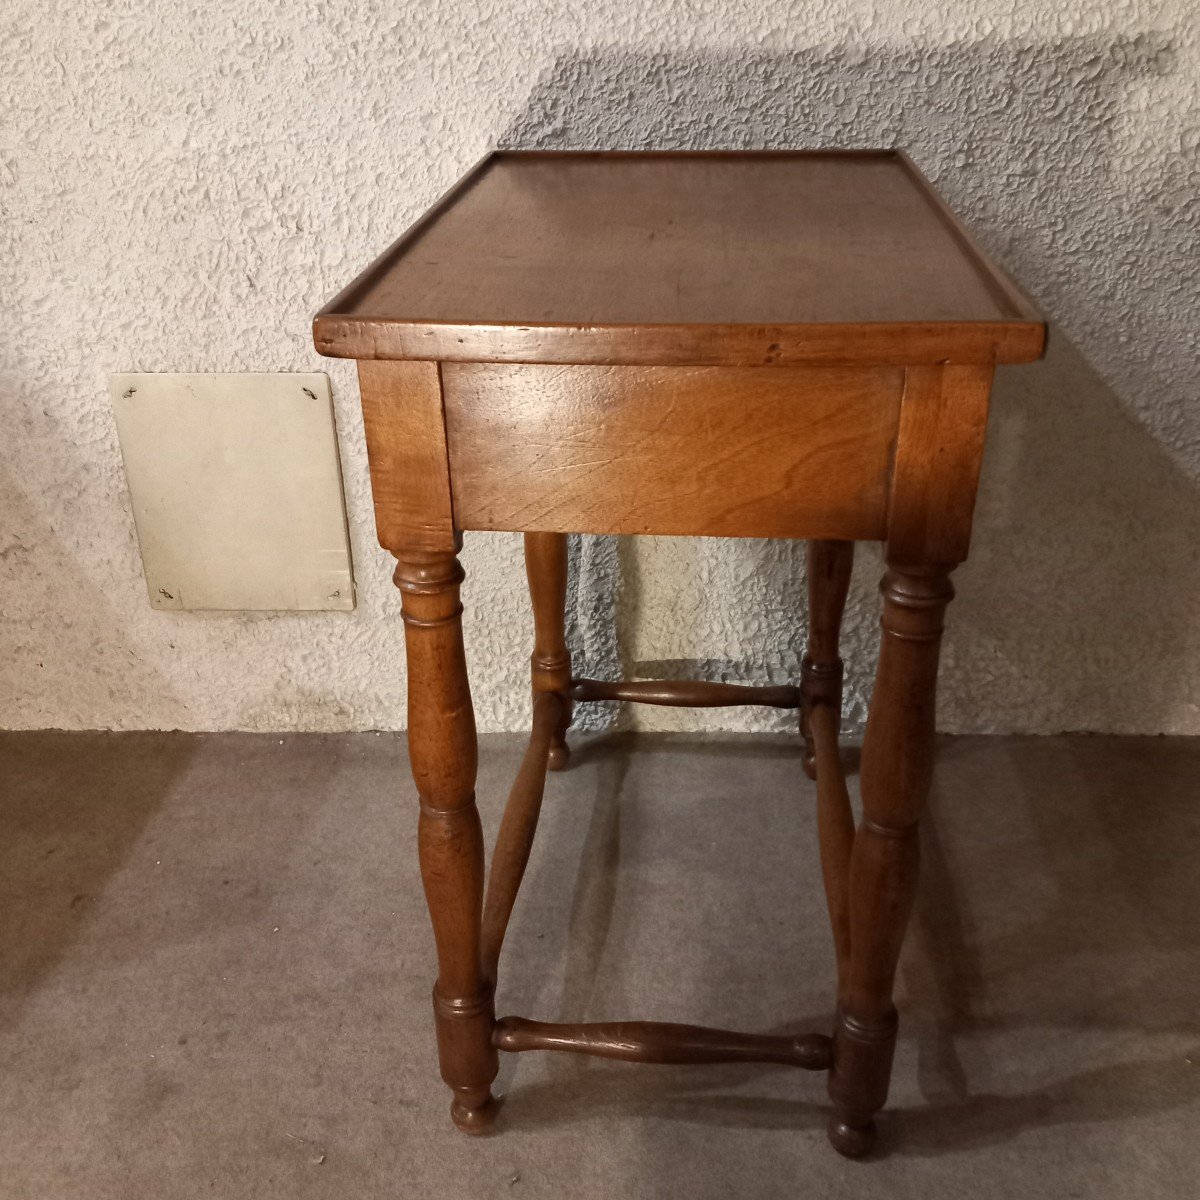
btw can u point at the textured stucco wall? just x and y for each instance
(182, 185)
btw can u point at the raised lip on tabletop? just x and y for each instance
(332, 321)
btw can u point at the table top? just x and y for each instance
(739, 258)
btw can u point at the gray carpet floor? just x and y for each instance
(215, 967)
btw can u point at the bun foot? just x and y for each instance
(472, 1116)
(559, 757)
(851, 1141)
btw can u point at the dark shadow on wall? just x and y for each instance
(1084, 575)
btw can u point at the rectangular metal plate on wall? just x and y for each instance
(236, 490)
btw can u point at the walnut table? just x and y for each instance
(791, 345)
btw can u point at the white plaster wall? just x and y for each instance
(182, 185)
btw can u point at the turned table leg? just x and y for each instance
(442, 750)
(897, 764)
(546, 568)
(829, 565)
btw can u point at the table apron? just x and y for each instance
(803, 452)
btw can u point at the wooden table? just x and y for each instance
(795, 345)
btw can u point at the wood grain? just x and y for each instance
(897, 765)
(517, 828)
(736, 344)
(686, 258)
(663, 1042)
(443, 756)
(821, 668)
(758, 452)
(686, 693)
(406, 449)
(939, 453)
(550, 663)
(835, 833)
